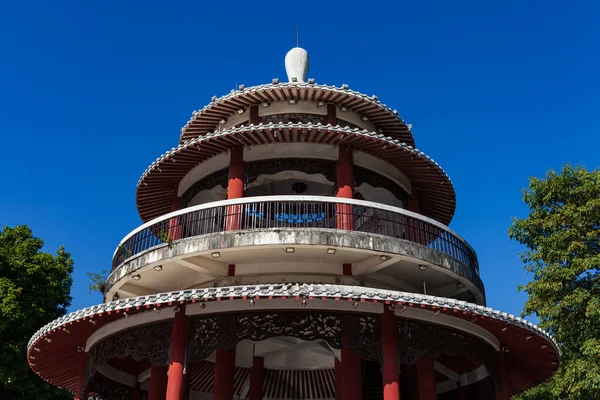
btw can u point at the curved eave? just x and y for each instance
(207, 119)
(53, 351)
(437, 198)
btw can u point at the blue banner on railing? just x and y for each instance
(291, 218)
(300, 218)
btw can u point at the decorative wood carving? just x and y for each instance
(357, 331)
(418, 339)
(307, 165)
(151, 342)
(219, 178)
(293, 118)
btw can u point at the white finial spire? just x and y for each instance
(296, 64)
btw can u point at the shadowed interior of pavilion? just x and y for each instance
(299, 355)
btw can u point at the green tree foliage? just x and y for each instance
(34, 290)
(562, 237)
(97, 281)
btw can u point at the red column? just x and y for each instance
(345, 188)
(413, 231)
(256, 378)
(174, 225)
(135, 390)
(351, 375)
(338, 380)
(410, 385)
(413, 202)
(389, 350)
(235, 187)
(158, 383)
(224, 373)
(80, 390)
(426, 379)
(463, 392)
(331, 117)
(185, 389)
(502, 392)
(254, 118)
(347, 269)
(178, 349)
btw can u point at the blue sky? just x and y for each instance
(92, 92)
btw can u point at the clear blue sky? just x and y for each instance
(92, 92)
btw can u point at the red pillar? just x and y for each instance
(502, 392)
(174, 225)
(426, 379)
(178, 349)
(254, 118)
(135, 390)
(235, 187)
(463, 392)
(413, 202)
(410, 385)
(331, 117)
(338, 380)
(389, 350)
(347, 269)
(224, 373)
(413, 229)
(351, 375)
(345, 188)
(185, 390)
(158, 383)
(256, 378)
(80, 390)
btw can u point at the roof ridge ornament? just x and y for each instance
(296, 65)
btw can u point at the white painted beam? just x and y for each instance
(315, 347)
(116, 375)
(474, 376)
(136, 290)
(203, 265)
(448, 290)
(400, 284)
(145, 375)
(371, 265)
(449, 373)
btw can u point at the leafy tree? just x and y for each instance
(34, 290)
(97, 281)
(562, 237)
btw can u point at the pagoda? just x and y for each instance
(295, 245)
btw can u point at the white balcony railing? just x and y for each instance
(298, 212)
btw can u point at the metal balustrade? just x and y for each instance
(298, 212)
